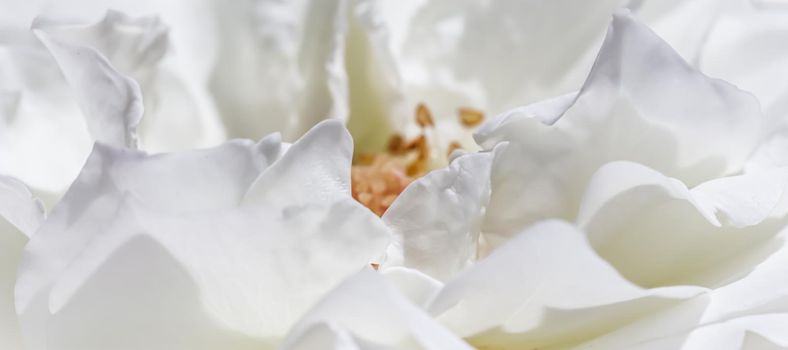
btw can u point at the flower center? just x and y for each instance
(378, 178)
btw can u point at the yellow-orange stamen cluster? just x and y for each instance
(378, 183)
(377, 179)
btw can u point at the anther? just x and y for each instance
(470, 117)
(396, 144)
(453, 146)
(424, 116)
(418, 144)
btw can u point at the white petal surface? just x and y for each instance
(746, 199)
(685, 25)
(745, 48)
(19, 207)
(170, 183)
(373, 313)
(316, 168)
(193, 37)
(763, 332)
(249, 273)
(657, 232)
(417, 286)
(545, 287)
(280, 65)
(641, 103)
(20, 216)
(488, 55)
(747, 314)
(322, 336)
(43, 138)
(771, 153)
(135, 294)
(111, 101)
(177, 114)
(436, 221)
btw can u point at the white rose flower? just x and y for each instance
(643, 211)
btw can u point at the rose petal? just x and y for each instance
(19, 207)
(641, 103)
(253, 271)
(744, 200)
(417, 286)
(754, 332)
(43, 139)
(111, 101)
(442, 54)
(170, 183)
(641, 84)
(770, 155)
(685, 25)
(762, 291)
(321, 336)
(436, 221)
(316, 168)
(46, 141)
(750, 311)
(20, 216)
(280, 68)
(177, 114)
(744, 48)
(545, 287)
(656, 232)
(354, 309)
(137, 296)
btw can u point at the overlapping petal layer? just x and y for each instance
(280, 65)
(546, 287)
(215, 263)
(350, 317)
(641, 103)
(436, 221)
(20, 216)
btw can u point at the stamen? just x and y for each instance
(419, 165)
(470, 117)
(453, 146)
(416, 167)
(364, 158)
(396, 144)
(416, 144)
(424, 116)
(376, 185)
